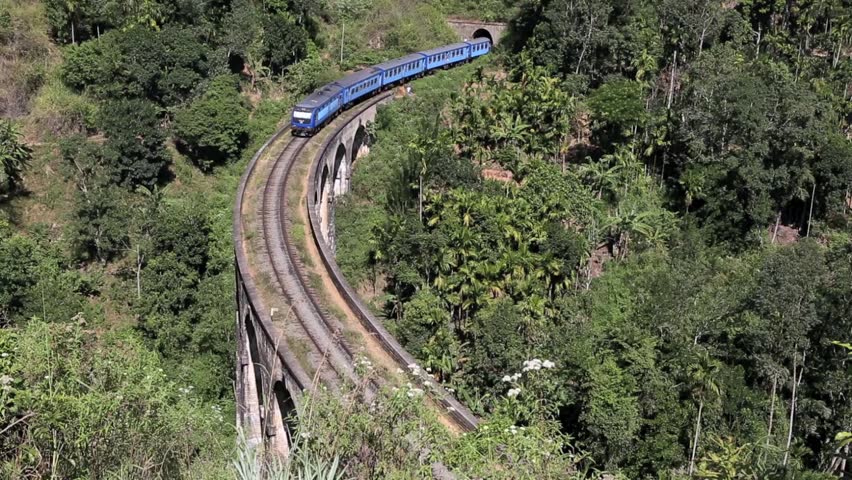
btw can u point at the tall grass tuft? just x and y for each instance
(302, 464)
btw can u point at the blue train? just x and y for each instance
(320, 107)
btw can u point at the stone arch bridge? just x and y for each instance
(334, 171)
(289, 338)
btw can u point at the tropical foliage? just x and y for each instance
(659, 206)
(14, 155)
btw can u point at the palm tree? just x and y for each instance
(624, 225)
(512, 131)
(692, 181)
(703, 376)
(601, 176)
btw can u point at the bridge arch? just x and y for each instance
(323, 202)
(341, 170)
(286, 408)
(359, 142)
(254, 353)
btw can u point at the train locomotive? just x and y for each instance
(318, 108)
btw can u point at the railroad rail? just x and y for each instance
(289, 338)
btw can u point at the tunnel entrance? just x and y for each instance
(483, 33)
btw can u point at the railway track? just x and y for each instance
(325, 353)
(333, 363)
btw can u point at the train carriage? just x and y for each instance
(446, 56)
(479, 47)
(401, 69)
(360, 84)
(312, 113)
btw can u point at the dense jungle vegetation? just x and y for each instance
(637, 223)
(124, 129)
(624, 242)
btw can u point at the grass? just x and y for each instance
(297, 233)
(302, 352)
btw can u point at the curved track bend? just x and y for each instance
(322, 328)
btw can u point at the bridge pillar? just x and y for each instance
(249, 416)
(264, 401)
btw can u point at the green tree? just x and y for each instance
(728, 461)
(18, 266)
(214, 127)
(497, 347)
(618, 111)
(162, 66)
(100, 228)
(423, 316)
(135, 146)
(611, 411)
(285, 42)
(346, 10)
(703, 375)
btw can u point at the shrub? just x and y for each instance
(14, 155)
(135, 143)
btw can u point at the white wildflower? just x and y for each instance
(507, 378)
(534, 364)
(548, 364)
(514, 392)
